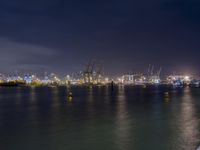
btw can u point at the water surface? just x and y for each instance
(129, 118)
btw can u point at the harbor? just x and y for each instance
(99, 75)
(94, 75)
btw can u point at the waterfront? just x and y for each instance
(130, 117)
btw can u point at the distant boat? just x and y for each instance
(9, 84)
(12, 83)
(195, 83)
(177, 84)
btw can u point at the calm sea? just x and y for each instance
(97, 118)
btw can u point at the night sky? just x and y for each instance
(125, 35)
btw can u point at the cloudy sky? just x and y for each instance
(63, 35)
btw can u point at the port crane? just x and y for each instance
(92, 73)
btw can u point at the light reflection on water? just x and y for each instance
(122, 123)
(99, 118)
(188, 122)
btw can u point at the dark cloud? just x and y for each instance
(15, 55)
